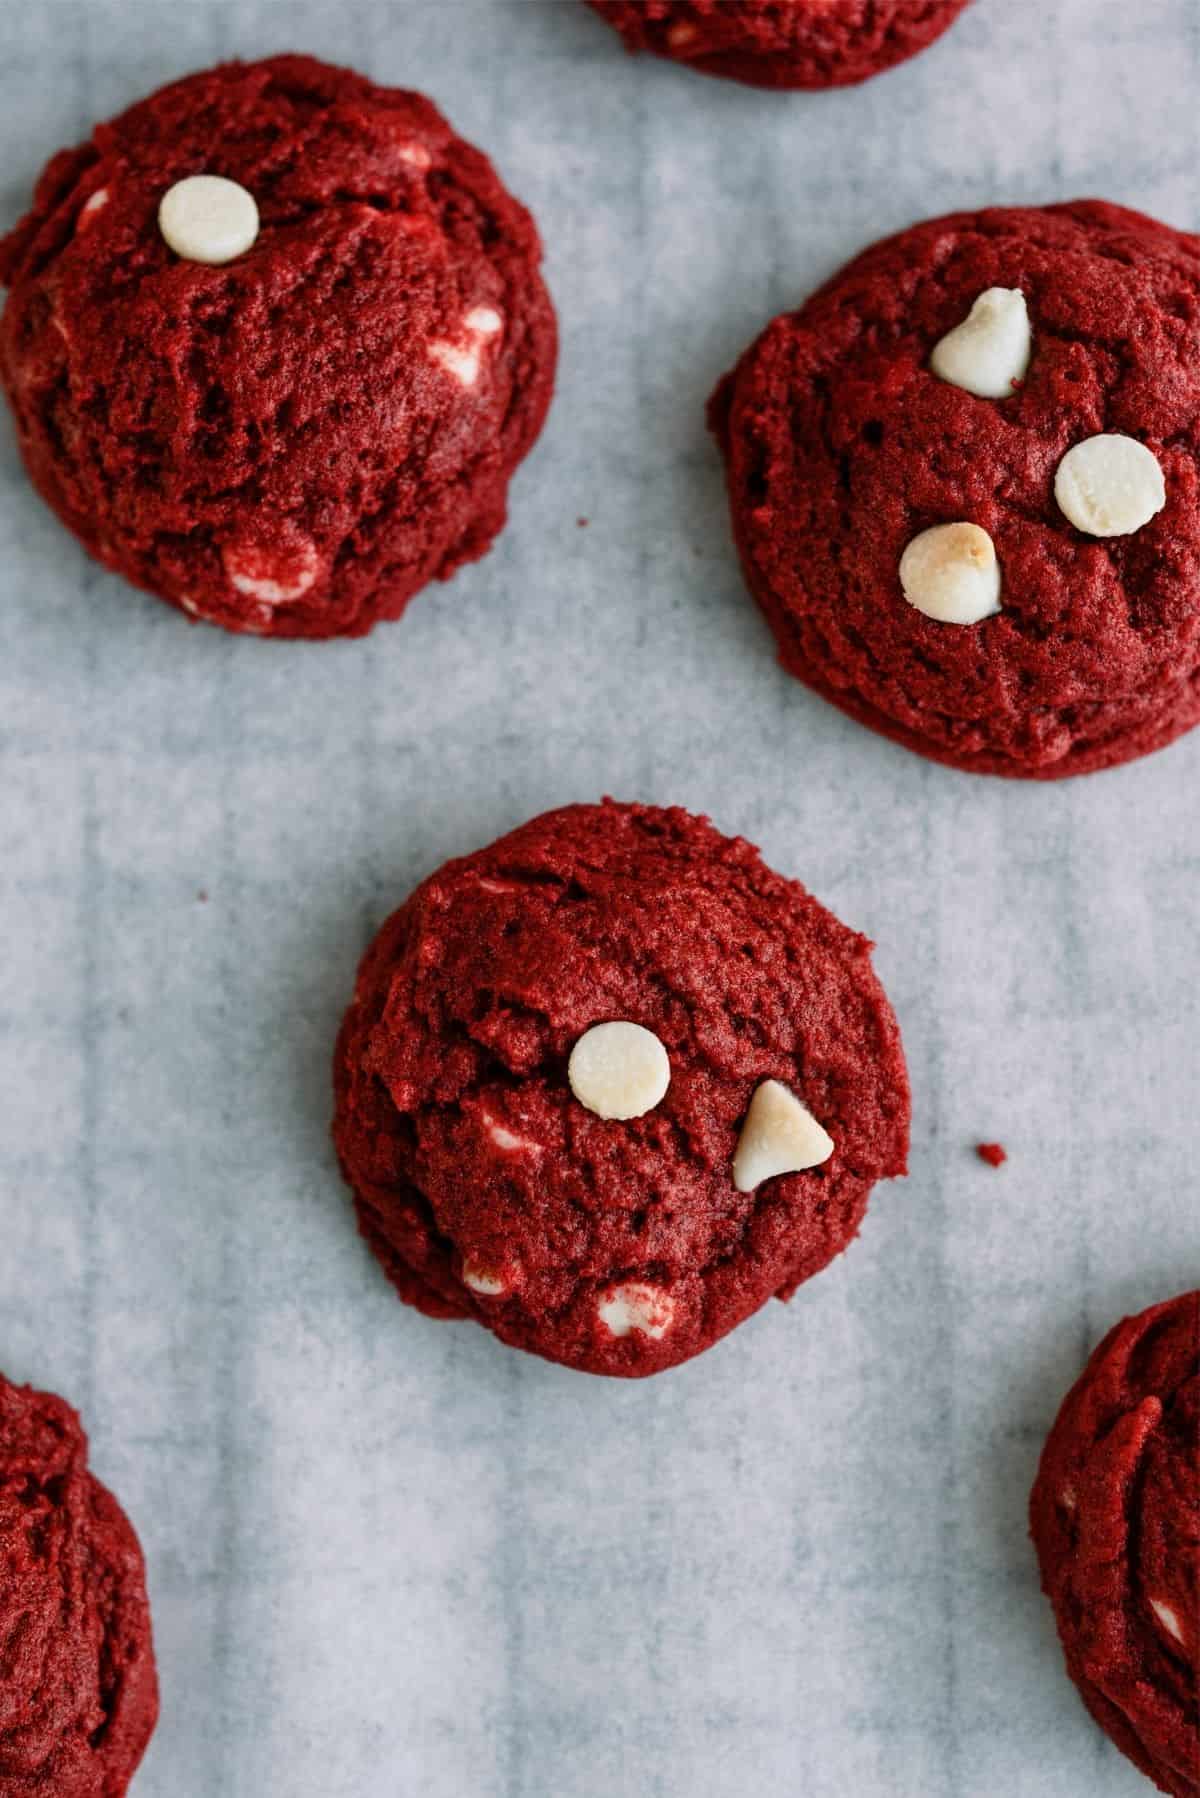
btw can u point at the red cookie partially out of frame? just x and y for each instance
(79, 1698)
(782, 43)
(296, 441)
(843, 445)
(1116, 1521)
(619, 1244)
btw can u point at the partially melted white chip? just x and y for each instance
(462, 362)
(272, 576)
(637, 1306)
(483, 1280)
(1110, 486)
(206, 218)
(619, 1070)
(463, 358)
(951, 574)
(509, 1142)
(989, 353)
(91, 208)
(779, 1136)
(484, 321)
(1167, 1617)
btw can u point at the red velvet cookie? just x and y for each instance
(1116, 1522)
(1030, 378)
(296, 433)
(78, 1694)
(609, 1084)
(782, 43)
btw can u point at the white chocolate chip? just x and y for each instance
(1110, 486)
(273, 576)
(463, 359)
(270, 592)
(483, 1280)
(507, 1141)
(637, 1306)
(484, 321)
(779, 1136)
(988, 354)
(951, 574)
(619, 1070)
(504, 1139)
(1167, 1617)
(206, 218)
(416, 156)
(88, 211)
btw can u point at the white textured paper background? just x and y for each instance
(388, 1558)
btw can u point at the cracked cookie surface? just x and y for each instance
(782, 43)
(1116, 1521)
(295, 442)
(616, 1246)
(842, 446)
(79, 1697)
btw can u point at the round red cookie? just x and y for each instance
(1116, 1523)
(782, 43)
(842, 446)
(79, 1697)
(295, 442)
(489, 1191)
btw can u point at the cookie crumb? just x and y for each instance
(994, 1153)
(582, 523)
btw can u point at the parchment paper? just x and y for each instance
(388, 1557)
